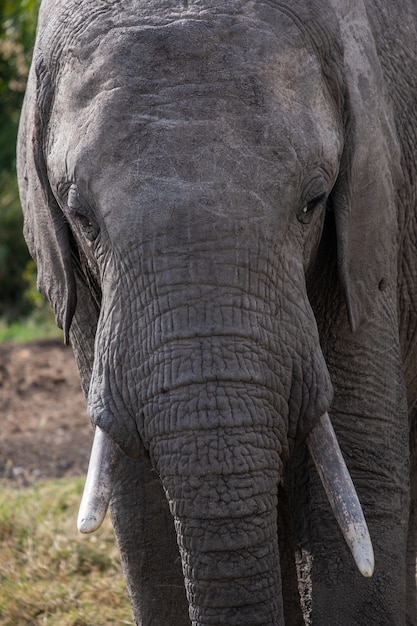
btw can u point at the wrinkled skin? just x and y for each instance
(220, 197)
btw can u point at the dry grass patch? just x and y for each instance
(49, 573)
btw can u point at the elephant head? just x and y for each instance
(181, 166)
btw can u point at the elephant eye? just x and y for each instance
(82, 219)
(79, 217)
(306, 213)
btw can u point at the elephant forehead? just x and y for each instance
(251, 55)
(200, 84)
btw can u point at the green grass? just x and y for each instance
(28, 330)
(51, 575)
(40, 324)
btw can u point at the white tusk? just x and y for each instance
(327, 456)
(105, 455)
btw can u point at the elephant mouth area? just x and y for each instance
(211, 385)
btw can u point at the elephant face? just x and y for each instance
(183, 165)
(203, 191)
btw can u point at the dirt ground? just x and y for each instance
(44, 428)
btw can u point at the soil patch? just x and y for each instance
(44, 428)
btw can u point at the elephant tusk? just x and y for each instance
(339, 488)
(105, 455)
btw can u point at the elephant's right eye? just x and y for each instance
(79, 216)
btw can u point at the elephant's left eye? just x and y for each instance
(308, 209)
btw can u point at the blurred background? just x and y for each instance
(23, 313)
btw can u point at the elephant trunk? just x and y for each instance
(219, 450)
(213, 389)
(221, 478)
(226, 527)
(229, 549)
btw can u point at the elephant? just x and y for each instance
(220, 197)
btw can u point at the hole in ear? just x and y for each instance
(382, 285)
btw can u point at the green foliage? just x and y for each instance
(40, 325)
(49, 573)
(19, 298)
(17, 32)
(14, 256)
(18, 295)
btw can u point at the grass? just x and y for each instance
(29, 330)
(49, 573)
(39, 325)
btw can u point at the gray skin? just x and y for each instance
(221, 199)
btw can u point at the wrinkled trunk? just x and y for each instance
(221, 477)
(226, 529)
(214, 411)
(215, 422)
(218, 371)
(214, 390)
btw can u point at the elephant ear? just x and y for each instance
(46, 231)
(364, 196)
